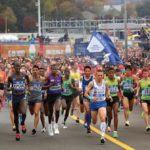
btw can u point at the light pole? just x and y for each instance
(6, 25)
(126, 29)
(38, 4)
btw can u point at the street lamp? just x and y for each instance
(126, 29)
(38, 4)
(6, 24)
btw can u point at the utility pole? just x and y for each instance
(38, 4)
(114, 30)
(6, 24)
(126, 29)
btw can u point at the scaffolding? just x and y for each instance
(90, 25)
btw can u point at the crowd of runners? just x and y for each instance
(71, 86)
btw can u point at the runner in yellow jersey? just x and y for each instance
(75, 75)
(144, 92)
(112, 106)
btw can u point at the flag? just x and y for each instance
(101, 42)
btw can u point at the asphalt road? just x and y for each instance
(75, 137)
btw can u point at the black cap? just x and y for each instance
(16, 64)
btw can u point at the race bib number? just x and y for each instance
(113, 89)
(146, 92)
(19, 85)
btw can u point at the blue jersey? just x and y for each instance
(85, 83)
(35, 90)
(18, 85)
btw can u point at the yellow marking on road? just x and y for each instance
(108, 137)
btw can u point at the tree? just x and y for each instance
(7, 16)
(143, 9)
(68, 9)
(29, 23)
(131, 10)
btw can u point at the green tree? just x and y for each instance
(7, 16)
(143, 9)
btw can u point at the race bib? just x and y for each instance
(113, 89)
(146, 92)
(19, 85)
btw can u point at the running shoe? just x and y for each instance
(50, 130)
(85, 125)
(103, 140)
(115, 134)
(56, 130)
(77, 120)
(88, 130)
(43, 130)
(18, 136)
(33, 132)
(24, 130)
(109, 129)
(148, 128)
(64, 126)
(127, 123)
(13, 128)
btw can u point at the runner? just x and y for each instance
(113, 85)
(75, 75)
(35, 96)
(144, 92)
(19, 83)
(9, 101)
(86, 79)
(96, 92)
(53, 98)
(129, 87)
(2, 83)
(44, 96)
(67, 94)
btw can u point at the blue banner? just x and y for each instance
(101, 42)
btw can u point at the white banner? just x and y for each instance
(95, 45)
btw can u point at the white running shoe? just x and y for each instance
(127, 123)
(43, 130)
(109, 129)
(64, 126)
(50, 130)
(56, 130)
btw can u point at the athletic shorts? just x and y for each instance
(53, 97)
(67, 98)
(94, 106)
(18, 98)
(32, 102)
(115, 100)
(75, 94)
(130, 95)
